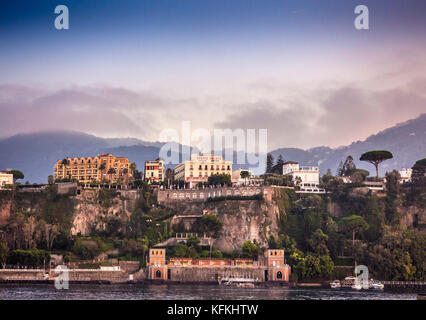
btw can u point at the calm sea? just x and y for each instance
(188, 292)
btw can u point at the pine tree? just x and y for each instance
(269, 162)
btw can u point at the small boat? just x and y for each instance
(377, 285)
(335, 284)
(348, 282)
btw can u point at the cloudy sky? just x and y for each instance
(134, 68)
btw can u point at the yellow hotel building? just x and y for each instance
(200, 168)
(89, 168)
(154, 171)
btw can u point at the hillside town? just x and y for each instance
(181, 232)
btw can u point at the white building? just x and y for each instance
(405, 175)
(306, 177)
(5, 178)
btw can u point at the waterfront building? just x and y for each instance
(98, 168)
(306, 177)
(6, 178)
(200, 168)
(154, 171)
(405, 174)
(276, 270)
(156, 264)
(269, 267)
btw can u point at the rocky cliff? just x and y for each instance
(94, 207)
(242, 220)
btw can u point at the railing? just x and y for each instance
(22, 270)
(404, 283)
(52, 269)
(308, 168)
(232, 280)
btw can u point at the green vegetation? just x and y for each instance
(219, 179)
(317, 231)
(250, 250)
(30, 258)
(277, 179)
(17, 175)
(209, 224)
(4, 252)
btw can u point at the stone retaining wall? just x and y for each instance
(165, 196)
(10, 274)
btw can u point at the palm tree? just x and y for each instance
(64, 163)
(132, 168)
(111, 171)
(102, 167)
(169, 175)
(126, 178)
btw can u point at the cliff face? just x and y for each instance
(412, 216)
(242, 220)
(94, 207)
(5, 204)
(90, 209)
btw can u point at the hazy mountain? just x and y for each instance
(35, 154)
(406, 141)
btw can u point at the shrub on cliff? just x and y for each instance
(250, 250)
(85, 251)
(209, 224)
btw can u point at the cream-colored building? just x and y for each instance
(200, 168)
(6, 178)
(154, 170)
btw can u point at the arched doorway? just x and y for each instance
(158, 274)
(279, 275)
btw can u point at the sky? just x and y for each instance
(297, 68)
